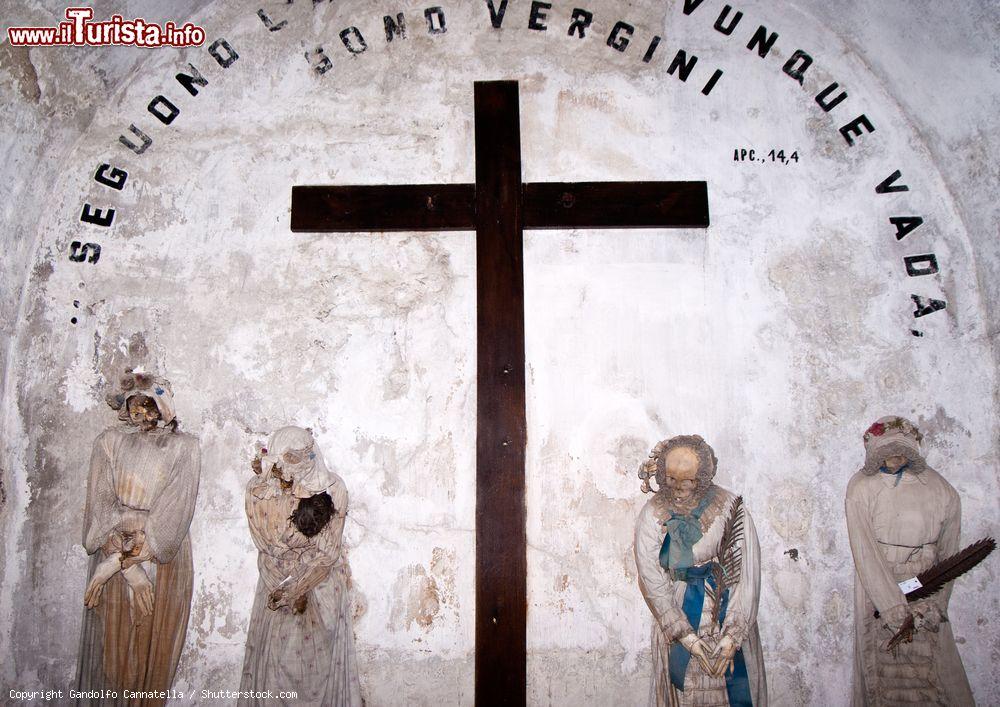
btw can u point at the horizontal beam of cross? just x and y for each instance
(452, 207)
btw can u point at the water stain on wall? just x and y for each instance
(790, 511)
(443, 568)
(416, 599)
(16, 63)
(383, 457)
(212, 613)
(628, 452)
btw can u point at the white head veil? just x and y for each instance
(293, 448)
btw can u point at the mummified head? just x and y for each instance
(683, 466)
(142, 412)
(144, 400)
(313, 514)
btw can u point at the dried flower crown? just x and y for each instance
(893, 425)
(134, 382)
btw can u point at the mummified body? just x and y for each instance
(902, 517)
(699, 570)
(300, 637)
(141, 493)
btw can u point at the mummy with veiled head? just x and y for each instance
(300, 637)
(141, 491)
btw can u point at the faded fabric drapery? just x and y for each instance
(665, 597)
(899, 527)
(139, 481)
(309, 653)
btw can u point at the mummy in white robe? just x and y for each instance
(141, 492)
(300, 637)
(667, 594)
(900, 523)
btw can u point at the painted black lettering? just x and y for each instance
(270, 23)
(581, 20)
(98, 217)
(190, 81)
(828, 104)
(681, 65)
(395, 27)
(648, 56)
(224, 61)
(435, 27)
(853, 129)
(163, 109)
(496, 16)
(762, 41)
(691, 5)
(926, 306)
(137, 149)
(616, 40)
(352, 39)
(322, 64)
(905, 225)
(889, 184)
(917, 265)
(79, 252)
(115, 181)
(538, 14)
(720, 23)
(797, 64)
(707, 89)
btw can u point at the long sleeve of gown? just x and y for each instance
(103, 511)
(948, 545)
(741, 613)
(256, 532)
(171, 512)
(654, 583)
(870, 565)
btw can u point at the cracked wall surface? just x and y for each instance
(778, 334)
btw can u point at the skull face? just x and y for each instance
(143, 413)
(681, 473)
(278, 472)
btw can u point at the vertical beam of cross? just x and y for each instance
(499, 207)
(501, 558)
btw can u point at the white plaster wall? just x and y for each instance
(779, 334)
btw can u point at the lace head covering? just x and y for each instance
(656, 465)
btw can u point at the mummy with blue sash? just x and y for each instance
(681, 568)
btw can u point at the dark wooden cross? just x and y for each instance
(499, 207)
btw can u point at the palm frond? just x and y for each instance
(728, 569)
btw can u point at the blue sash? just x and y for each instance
(676, 556)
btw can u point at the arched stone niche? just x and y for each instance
(778, 334)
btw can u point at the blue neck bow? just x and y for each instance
(898, 473)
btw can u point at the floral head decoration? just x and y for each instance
(892, 436)
(138, 382)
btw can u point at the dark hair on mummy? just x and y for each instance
(313, 514)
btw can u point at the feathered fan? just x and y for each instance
(933, 579)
